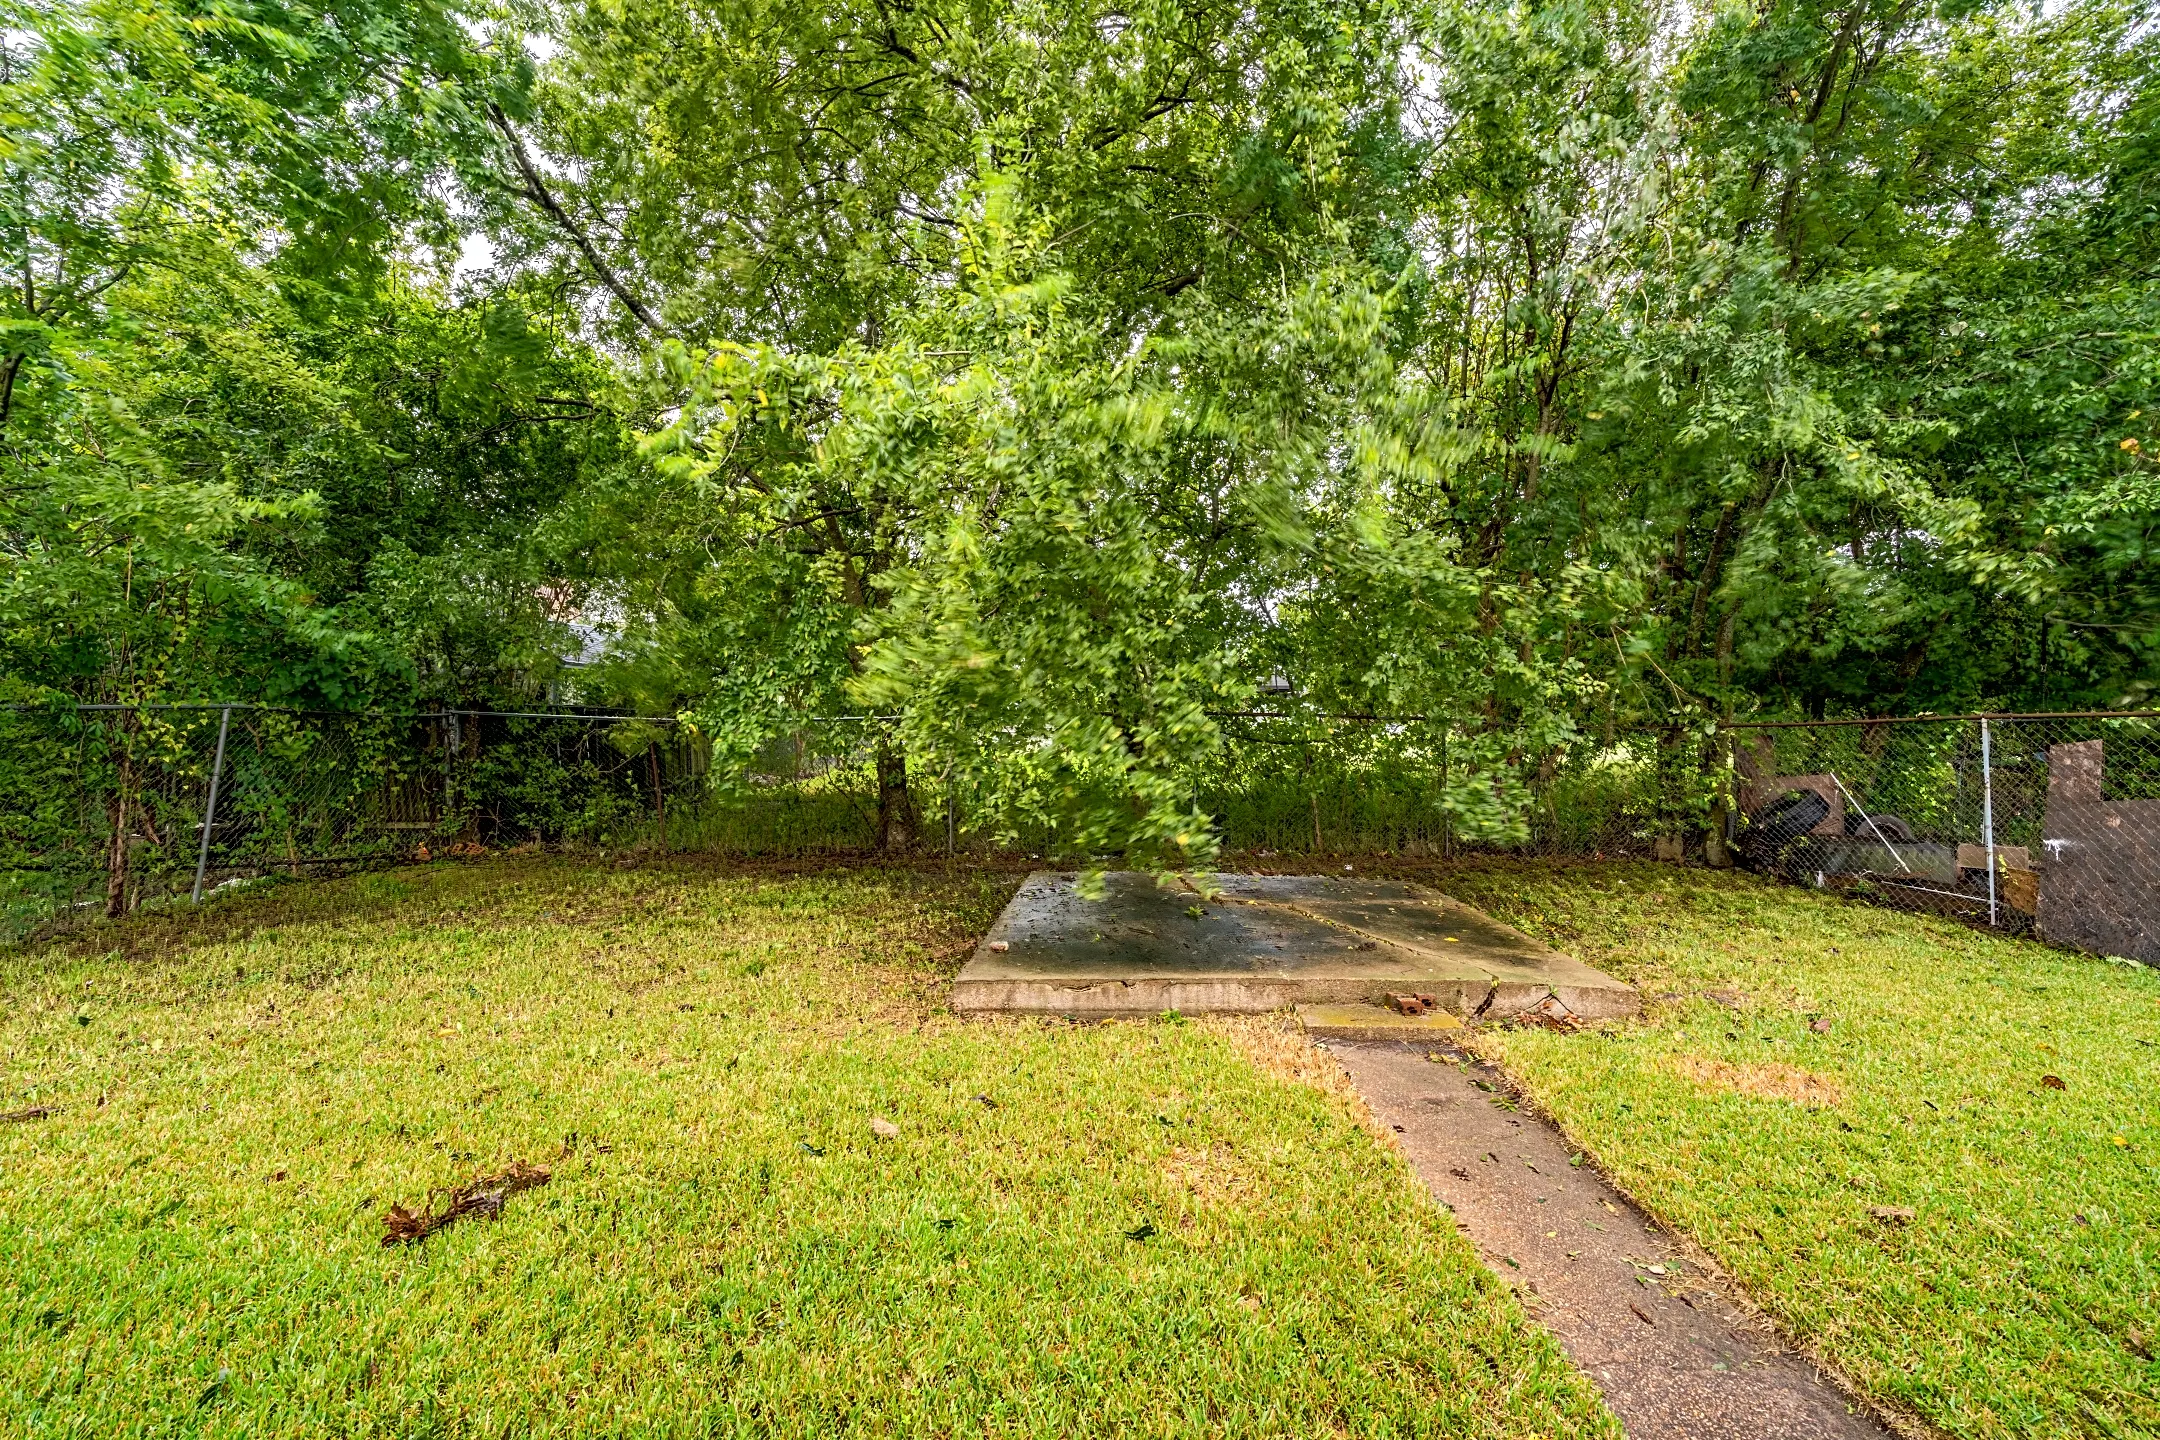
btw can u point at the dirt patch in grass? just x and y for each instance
(1277, 1045)
(1208, 1179)
(1763, 1081)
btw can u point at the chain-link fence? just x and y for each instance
(2044, 824)
(1352, 784)
(103, 810)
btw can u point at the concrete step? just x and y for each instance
(1377, 1022)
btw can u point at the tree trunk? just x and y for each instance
(897, 822)
(1670, 838)
(116, 857)
(1715, 850)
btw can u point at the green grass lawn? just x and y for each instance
(2021, 1296)
(1143, 1228)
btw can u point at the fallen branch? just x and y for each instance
(483, 1196)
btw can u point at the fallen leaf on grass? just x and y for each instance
(1821, 1024)
(35, 1112)
(1766, 1080)
(1143, 1231)
(1892, 1214)
(2138, 1345)
(483, 1196)
(884, 1129)
(988, 1103)
(1550, 1014)
(2053, 1082)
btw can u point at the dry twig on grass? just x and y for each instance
(35, 1112)
(483, 1196)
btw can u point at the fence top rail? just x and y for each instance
(1939, 719)
(351, 714)
(1355, 716)
(32, 707)
(1845, 720)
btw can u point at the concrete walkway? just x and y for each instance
(1674, 1356)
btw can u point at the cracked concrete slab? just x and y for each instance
(1677, 1357)
(1260, 943)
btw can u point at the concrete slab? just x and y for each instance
(1265, 941)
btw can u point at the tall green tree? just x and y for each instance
(829, 192)
(186, 195)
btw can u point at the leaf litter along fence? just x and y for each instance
(2040, 824)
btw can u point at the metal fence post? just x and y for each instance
(453, 749)
(217, 773)
(1447, 827)
(1987, 813)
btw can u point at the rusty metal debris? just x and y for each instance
(483, 1196)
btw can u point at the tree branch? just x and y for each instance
(8, 368)
(536, 191)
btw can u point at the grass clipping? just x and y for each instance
(484, 1197)
(1763, 1081)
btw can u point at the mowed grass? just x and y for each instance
(1149, 1228)
(2023, 1297)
